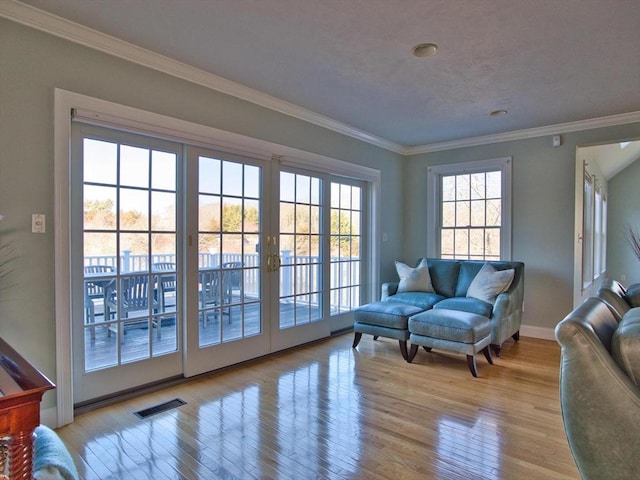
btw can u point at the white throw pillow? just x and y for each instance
(414, 279)
(489, 283)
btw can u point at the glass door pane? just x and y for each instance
(129, 234)
(301, 288)
(345, 241)
(229, 303)
(127, 228)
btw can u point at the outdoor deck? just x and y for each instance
(138, 342)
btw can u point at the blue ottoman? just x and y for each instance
(384, 319)
(453, 330)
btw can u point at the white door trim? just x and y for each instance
(117, 115)
(62, 205)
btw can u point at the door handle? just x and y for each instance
(273, 262)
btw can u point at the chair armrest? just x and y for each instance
(510, 302)
(388, 289)
(503, 307)
(600, 404)
(506, 316)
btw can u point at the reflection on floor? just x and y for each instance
(328, 411)
(222, 325)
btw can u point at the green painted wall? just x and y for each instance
(32, 65)
(623, 210)
(542, 212)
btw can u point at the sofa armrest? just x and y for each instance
(506, 316)
(388, 289)
(503, 306)
(600, 404)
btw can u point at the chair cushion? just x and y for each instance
(386, 314)
(419, 299)
(632, 296)
(468, 271)
(466, 304)
(444, 276)
(625, 344)
(452, 325)
(616, 303)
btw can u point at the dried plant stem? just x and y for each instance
(8, 254)
(633, 237)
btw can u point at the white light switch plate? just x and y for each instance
(38, 223)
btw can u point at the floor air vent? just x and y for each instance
(163, 407)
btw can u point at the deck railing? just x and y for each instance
(292, 280)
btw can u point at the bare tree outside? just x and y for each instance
(471, 215)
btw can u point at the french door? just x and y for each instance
(317, 255)
(226, 293)
(125, 240)
(187, 259)
(297, 252)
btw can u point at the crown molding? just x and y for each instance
(612, 120)
(74, 32)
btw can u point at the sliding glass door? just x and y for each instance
(297, 259)
(187, 259)
(347, 249)
(317, 256)
(126, 263)
(225, 292)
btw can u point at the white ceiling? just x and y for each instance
(612, 158)
(547, 62)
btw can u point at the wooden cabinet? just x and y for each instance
(21, 390)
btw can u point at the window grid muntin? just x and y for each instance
(459, 195)
(345, 246)
(300, 281)
(224, 235)
(124, 353)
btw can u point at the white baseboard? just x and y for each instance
(537, 332)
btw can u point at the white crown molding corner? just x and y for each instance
(60, 27)
(612, 120)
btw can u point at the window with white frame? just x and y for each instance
(469, 214)
(588, 233)
(347, 208)
(594, 228)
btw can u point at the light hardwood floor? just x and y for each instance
(327, 411)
